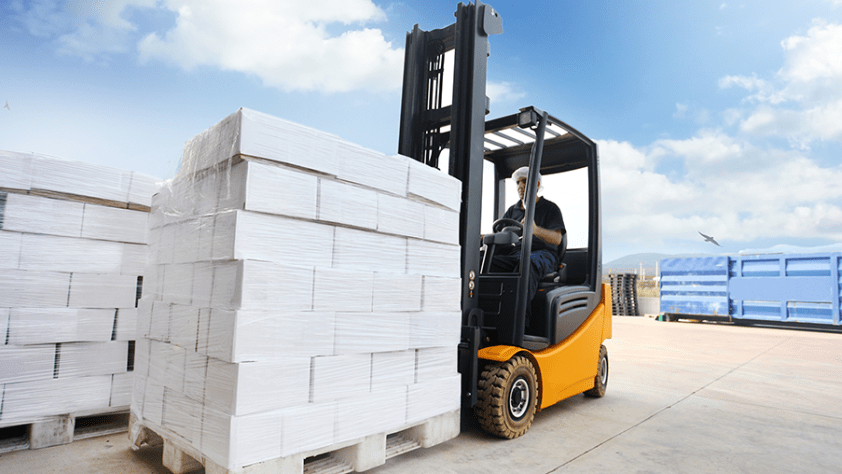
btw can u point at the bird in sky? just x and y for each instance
(710, 239)
(7, 106)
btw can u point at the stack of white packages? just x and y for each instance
(72, 250)
(305, 293)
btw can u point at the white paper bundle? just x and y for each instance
(28, 401)
(72, 252)
(40, 215)
(125, 329)
(302, 292)
(81, 179)
(29, 326)
(244, 336)
(34, 172)
(70, 255)
(252, 387)
(17, 170)
(83, 359)
(427, 183)
(31, 289)
(121, 390)
(27, 363)
(255, 134)
(51, 216)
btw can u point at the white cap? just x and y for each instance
(523, 172)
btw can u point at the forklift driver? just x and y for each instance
(547, 230)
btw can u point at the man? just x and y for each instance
(547, 230)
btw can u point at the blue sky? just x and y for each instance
(712, 116)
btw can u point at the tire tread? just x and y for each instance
(491, 409)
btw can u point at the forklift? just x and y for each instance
(516, 357)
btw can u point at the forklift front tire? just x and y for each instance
(600, 383)
(507, 397)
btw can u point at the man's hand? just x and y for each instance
(552, 237)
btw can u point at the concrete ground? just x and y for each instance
(682, 398)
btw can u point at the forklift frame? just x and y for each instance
(427, 128)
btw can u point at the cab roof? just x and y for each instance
(508, 142)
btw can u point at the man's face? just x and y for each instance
(521, 188)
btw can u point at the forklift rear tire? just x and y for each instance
(507, 397)
(600, 383)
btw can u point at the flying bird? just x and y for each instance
(710, 239)
(7, 106)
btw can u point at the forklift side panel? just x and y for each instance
(570, 307)
(568, 368)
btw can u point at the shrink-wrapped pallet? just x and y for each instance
(72, 252)
(302, 293)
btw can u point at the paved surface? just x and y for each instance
(682, 398)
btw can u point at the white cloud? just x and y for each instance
(85, 28)
(728, 188)
(501, 92)
(285, 43)
(804, 101)
(763, 89)
(288, 44)
(813, 57)
(684, 110)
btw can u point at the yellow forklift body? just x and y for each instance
(569, 367)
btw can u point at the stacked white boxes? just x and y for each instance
(305, 293)
(72, 248)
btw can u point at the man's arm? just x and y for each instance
(552, 237)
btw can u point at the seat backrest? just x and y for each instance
(561, 250)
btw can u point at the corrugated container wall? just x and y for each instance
(800, 288)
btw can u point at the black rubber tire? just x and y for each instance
(600, 383)
(502, 409)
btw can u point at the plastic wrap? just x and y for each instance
(302, 293)
(72, 253)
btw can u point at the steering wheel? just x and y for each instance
(499, 224)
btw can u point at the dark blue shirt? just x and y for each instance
(547, 216)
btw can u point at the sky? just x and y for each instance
(716, 117)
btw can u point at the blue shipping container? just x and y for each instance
(803, 288)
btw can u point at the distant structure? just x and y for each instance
(710, 239)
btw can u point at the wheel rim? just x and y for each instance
(603, 371)
(519, 398)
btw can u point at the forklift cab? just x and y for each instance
(567, 296)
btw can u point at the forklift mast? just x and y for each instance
(424, 134)
(423, 117)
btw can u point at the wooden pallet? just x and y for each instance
(61, 429)
(356, 456)
(77, 198)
